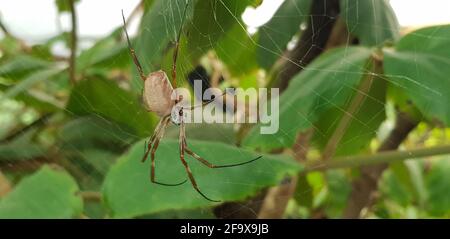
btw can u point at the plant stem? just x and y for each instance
(73, 43)
(90, 196)
(4, 29)
(37, 123)
(5, 185)
(382, 157)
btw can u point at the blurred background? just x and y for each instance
(39, 20)
(358, 79)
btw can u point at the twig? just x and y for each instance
(4, 29)
(5, 185)
(277, 198)
(378, 158)
(24, 47)
(40, 121)
(90, 196)
(311, 44)
(73, 43)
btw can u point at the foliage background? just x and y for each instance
(359, 97)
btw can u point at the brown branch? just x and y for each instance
(389, 156)
(5, 185)
(277, 198)
(23, 46)
(73, 43)
(5, 30)
(90, 196)
(312, 42)
(38, 122)
(28, 165)
(364, 188)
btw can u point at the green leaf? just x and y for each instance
(430, 40)
(326, 83)
(92, 132)
(19, 66)
(21, 148)
(237, 50)
(393, 190)
(401, 173)
(128, 191)
(373, 22)
(40, 100)
(30, 81)
(48, 193)
(275, 34)
(365, 121)
(339, 189)
(105, 99)
(208, 132)
(10, 46)
(107, 53)
(64, 5)
(212, 20)
(438, 185)
(419, 68)
(303, 192)
(159, 26)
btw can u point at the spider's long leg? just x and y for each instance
(152, 155)
(204, 103)
(188, 170)
(152, 139)
(210, 165)
(133, 53)
(177, 46)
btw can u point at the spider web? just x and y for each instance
(13, 112)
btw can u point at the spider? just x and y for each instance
(157, 98)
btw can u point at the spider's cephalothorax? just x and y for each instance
(157, 97)
(178, 115)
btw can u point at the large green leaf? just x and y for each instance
(237, 50)
(159, 26)
(49, 193)
(364, 122)
(339, 189)
(105, 99)
(326, 83)
(394, 190)
(64, 5)
(209, 132)
(128, 191)
(105, 54)
(212, 20)
(30, 81)
(20, 66)
(21, 148)
(275, 34)
(373, 22)
(419, 67)
(40, 100)
(92, 132)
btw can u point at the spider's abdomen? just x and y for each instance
(157, 93)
